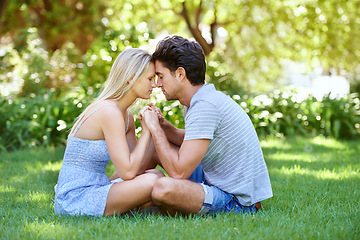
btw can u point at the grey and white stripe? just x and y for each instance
(234, 161)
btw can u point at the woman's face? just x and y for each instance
(143, 87)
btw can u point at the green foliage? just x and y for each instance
(34, 70)
(52, 90)
(41, 120)
(58, 22)
(220, 74)
(98, 59)
(284, 113)
(44, 120)
(172, 110)
(251, 37)
(254, 37)
(53, 81)
(314, 180)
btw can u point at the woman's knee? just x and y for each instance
(158, 172)
(148, 179)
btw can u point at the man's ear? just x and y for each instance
(180, 73)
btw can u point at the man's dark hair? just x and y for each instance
(174, 52)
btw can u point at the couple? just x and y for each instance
(214, 165)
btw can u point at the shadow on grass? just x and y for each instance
(317, 178)
(27, 182)
(312, 155)
(316, 194)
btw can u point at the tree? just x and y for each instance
(2, 8)
(246, 40)
(254, 37)
(57, 22)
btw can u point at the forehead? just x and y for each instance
(151, 67)
(150, 71)
(160, 69)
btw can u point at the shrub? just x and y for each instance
(37, 120)
(172, 110)
(283, 113)
(45, 119)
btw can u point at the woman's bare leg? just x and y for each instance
(127, 195)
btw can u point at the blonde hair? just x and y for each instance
(128, 67)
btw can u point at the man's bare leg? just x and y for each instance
(178, 195)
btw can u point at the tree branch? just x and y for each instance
(185, 15)
(3, 4)
(213, 26)
(198, 13)
(47, 5)
(195, 31)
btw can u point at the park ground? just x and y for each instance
(316, 196)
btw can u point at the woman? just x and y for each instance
(104, 131)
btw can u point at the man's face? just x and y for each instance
(166, 81)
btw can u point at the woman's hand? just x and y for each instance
(157, 111)
(142, 119)
(151, 119)
(141, 112)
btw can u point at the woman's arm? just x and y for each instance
(150, 155)
(126, 162)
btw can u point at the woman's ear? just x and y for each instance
(129, 81)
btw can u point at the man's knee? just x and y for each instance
(162, 190)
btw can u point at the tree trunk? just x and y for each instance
(3, 4)
(195, 31)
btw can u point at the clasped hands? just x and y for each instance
(150, 117)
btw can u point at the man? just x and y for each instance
(218, 165)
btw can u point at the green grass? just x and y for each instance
(316, 185)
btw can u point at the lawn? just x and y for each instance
(316, 185)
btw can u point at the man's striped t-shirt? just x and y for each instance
(234, 161)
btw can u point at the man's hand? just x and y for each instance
(172, 133)
(158, 112)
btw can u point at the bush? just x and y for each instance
(172, 110)
(39, 120)
(283, 113)
(45, 119)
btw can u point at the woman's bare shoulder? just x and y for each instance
(106, 107)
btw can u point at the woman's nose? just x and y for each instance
(153, 83)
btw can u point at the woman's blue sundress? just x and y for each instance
(83, 186)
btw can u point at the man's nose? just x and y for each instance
(158, 83)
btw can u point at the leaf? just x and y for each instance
(336, 128)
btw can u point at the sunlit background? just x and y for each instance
(252, 45)
(284, 62)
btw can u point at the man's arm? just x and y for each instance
(173, 134)
(178, 164)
